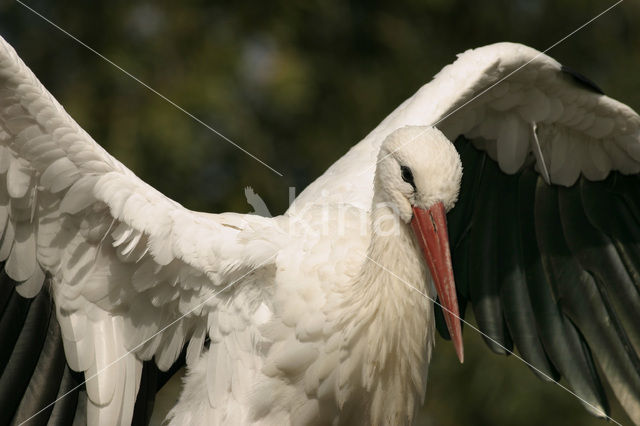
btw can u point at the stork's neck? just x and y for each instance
(389, 323)
(393, 256)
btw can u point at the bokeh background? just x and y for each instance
(297, 84)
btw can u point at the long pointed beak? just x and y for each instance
(430, 226)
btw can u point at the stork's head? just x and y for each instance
(418, 167)
(419, 173)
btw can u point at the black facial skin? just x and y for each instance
(407, 176)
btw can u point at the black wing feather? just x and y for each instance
(514, 292)
(483, 261)
(6, 290)
(562, 341)
(64, 410)
(13, 317)
(34, 371)
(581, 80)
(629, 190)
(459, 221)
(24, 357)
(559, 276)
(146, 394)
(607, 210)
(599, 255)
(586, 300)
(47, 375)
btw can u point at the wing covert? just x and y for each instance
(122, 260)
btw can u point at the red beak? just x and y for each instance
(430, 226)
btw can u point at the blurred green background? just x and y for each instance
(297, 85)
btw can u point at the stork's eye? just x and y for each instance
(407, 176)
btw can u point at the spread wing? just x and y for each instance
(552, 269)
(129, 269)
(546, 231)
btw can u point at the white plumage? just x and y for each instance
(303, 327)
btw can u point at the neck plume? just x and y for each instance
(388, 326)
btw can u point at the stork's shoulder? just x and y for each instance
(327, 243)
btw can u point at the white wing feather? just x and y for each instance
(579, 131)
(124, 260)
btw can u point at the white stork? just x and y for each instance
(322, 315)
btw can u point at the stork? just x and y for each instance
(525, 176)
